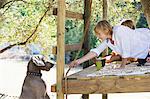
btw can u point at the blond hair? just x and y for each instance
(128, 23)
(103, 25)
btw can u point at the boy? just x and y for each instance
(121, 39)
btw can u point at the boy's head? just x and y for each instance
(103, 29)
(128, 23)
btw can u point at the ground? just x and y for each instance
(12, 74)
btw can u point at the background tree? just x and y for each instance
(146, 9)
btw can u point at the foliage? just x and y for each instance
(74, 31)
(19, 21)
(142, 23)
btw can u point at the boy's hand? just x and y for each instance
(74, 63)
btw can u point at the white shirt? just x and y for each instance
(127, 42)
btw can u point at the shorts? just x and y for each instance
(141, 62)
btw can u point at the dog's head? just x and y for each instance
(42, 62)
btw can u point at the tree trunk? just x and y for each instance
(146, 9)
(105, 7)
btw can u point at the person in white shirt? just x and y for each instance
(141, 62)
(127, 42)
(115, 56)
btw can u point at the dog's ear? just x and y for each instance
(38, 60)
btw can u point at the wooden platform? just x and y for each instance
(81, 83)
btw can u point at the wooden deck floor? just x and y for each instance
(81, 83)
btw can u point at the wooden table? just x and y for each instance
(79, 83)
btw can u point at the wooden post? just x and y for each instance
(87, 15)
(60, 47)
(86, 46)
(104, 96)
(105, 8)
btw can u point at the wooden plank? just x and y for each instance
(68, 47)
(109, 84)
(80, 84)
(72, 47)
(83, 73)
(61, 48)
(70, 14)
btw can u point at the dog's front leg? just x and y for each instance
(46, 96)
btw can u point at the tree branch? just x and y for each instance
(12, 2)
(27, 40)
(8, 7)
(37, 25)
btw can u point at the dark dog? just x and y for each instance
(33, 86)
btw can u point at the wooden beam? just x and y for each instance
(70, 14)
(68, 47)
(109, 84)
(72, 47)
(86, 45)
(61, 48)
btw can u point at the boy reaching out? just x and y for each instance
(125, 41)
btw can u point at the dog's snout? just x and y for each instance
(52, 65)
(49, 66)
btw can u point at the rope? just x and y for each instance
(81, 44)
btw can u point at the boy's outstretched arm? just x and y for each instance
(87, 57)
